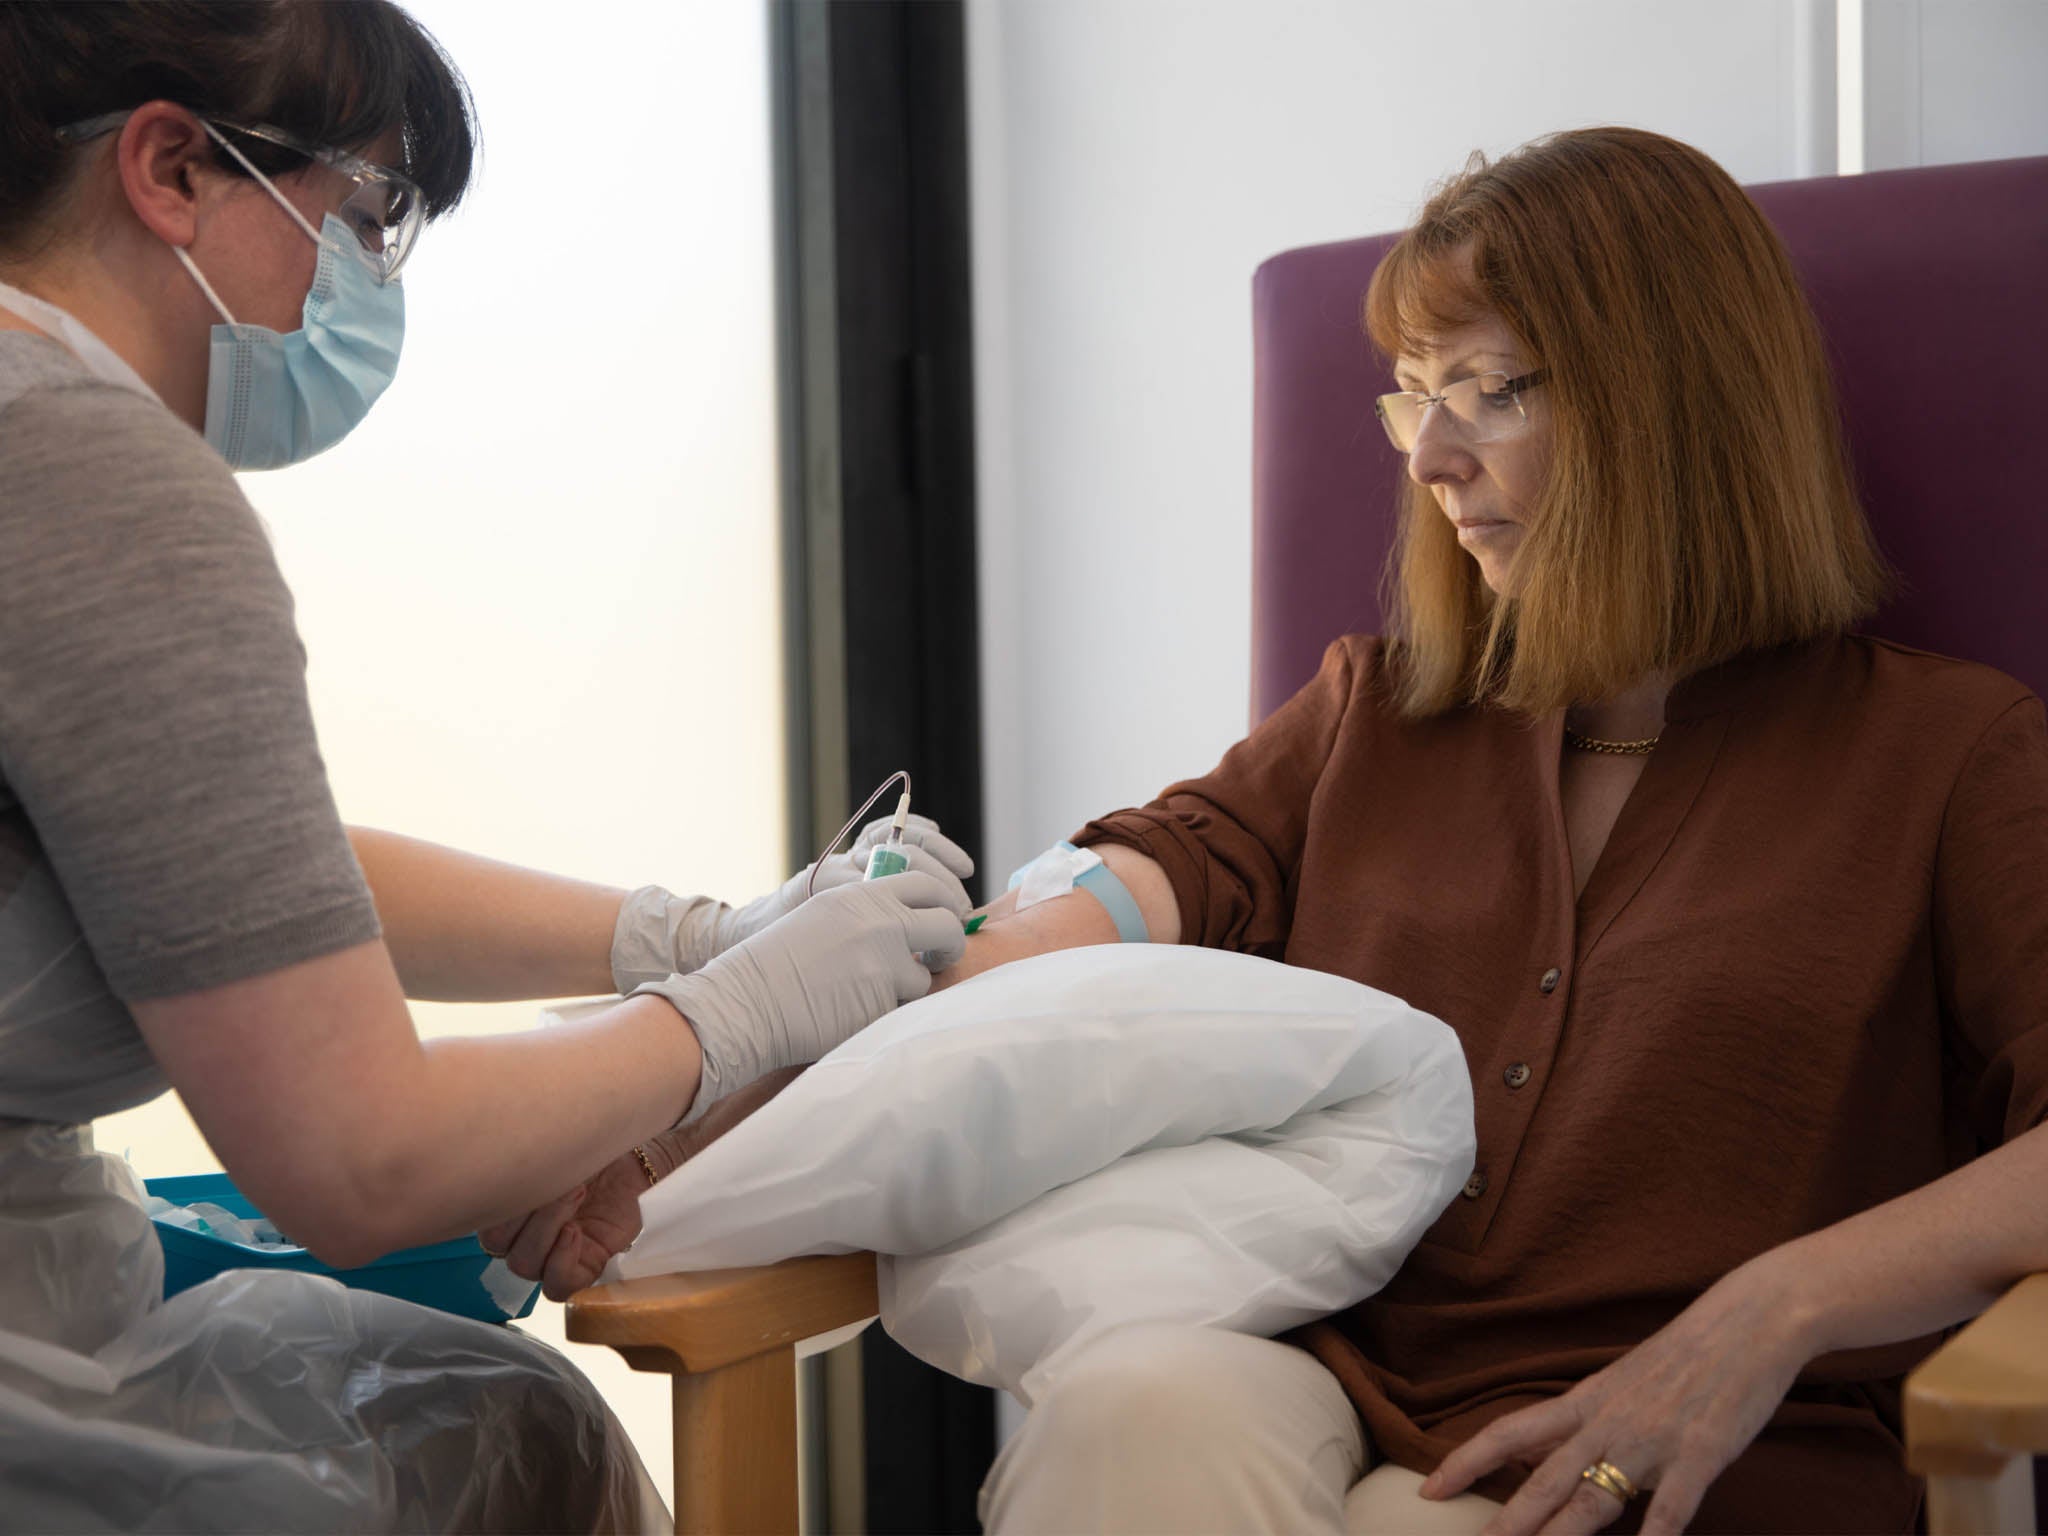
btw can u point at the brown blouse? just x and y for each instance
(1808, 973)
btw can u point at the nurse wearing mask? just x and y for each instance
(205, 210)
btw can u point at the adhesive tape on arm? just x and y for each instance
(1063, 868)
(1101, 882)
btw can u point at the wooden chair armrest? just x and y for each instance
(729, 1337)
(1977, 1413)
(702, 1322)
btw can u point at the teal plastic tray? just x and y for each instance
(448, 1276)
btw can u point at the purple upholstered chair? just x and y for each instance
(1932, 291)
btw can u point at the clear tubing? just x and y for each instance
(894, 840)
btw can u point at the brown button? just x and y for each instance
(1476, 1185)
(1517, 1075)
(1550, 979)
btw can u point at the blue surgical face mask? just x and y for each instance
(274, 399)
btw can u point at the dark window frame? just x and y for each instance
(883, 668)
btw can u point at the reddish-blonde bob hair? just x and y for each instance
(1698, 501)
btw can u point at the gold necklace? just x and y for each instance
(1642, 748)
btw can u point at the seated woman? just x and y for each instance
(1742, 920)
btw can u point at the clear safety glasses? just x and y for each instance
(1481, 409)
(383, 208)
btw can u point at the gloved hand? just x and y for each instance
(659, 934)
(831, 968)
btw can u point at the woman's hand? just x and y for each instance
(1671, 1414)
(567, 1242)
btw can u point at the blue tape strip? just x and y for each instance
(1101, 883)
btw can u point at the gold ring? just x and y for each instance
(646, 1167)
(1609, 1478)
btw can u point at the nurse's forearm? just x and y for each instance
(313, 1088)
(466, 929)
(1070, 921)
(594, 1087)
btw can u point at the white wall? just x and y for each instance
(1134, 160)
(1952, 80)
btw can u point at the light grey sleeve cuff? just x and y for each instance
(659, 934)
(729, 1061)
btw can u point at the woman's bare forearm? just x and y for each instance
(1926, 1260)
(678, 1144)
(466, 929)
(1070, 921)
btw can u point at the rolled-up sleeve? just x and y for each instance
(1231, 841)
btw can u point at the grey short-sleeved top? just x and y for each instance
(165, 819)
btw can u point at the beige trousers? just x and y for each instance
(1194, 1430)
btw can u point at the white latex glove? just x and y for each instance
(661, 934)
(796, 989)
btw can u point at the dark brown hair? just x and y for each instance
(1698, 502)
(335, 72)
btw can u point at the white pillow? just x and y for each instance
(1256, 1233)
(957, 1110)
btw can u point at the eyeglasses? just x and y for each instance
(383, 210)
(1482, 409)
